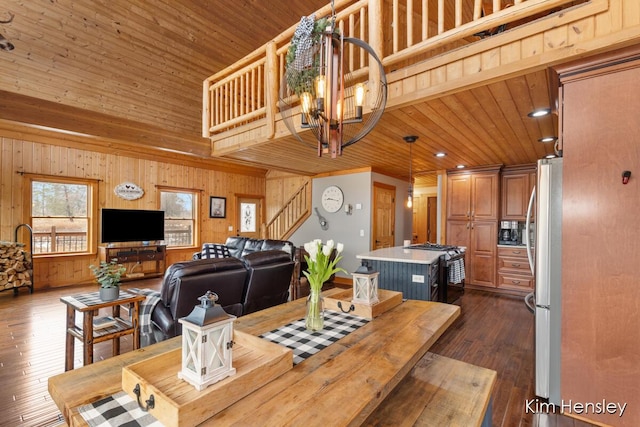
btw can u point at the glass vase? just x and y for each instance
(314, 319)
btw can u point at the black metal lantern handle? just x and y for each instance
(351, 308)
(151, 402)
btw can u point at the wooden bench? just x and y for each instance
(439, 392)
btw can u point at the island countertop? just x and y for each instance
(403, 254)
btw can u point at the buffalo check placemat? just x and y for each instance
(304, 344)
(119, 410)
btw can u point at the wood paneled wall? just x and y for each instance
(280, 187)
(110, 169)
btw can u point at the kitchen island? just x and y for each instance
(411, 270)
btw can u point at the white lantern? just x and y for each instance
(207, 340)
(365, 285)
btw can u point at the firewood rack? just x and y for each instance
(27, 254)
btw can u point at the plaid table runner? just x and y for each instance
(117, 411)
(304, 344)
(93, 298)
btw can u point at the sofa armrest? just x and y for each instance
(162, 319)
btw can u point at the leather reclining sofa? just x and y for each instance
(256, 275)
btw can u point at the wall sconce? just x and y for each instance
(348, 209)
(207, 341)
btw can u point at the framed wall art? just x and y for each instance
(217, 207)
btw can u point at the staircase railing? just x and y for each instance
(294, 212)
(247, 91)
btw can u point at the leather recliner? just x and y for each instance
(185, 282)
(269, 279)
(256, 281)
(241, 246)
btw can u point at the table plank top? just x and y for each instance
(343, 383)
(91, 300)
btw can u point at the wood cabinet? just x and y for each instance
(600, 339)
(517, 183)
(472, 221)
(140, 261)
(473, 196)
(514, 273)
(479, 237)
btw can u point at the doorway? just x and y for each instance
(384, 216)
(249, 216)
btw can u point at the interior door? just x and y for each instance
(384, 217)
(249, 216)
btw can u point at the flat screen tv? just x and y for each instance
(132, 225)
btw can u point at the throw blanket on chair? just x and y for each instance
(146, 308)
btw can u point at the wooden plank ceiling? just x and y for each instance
(131, 72)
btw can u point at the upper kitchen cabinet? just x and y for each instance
(459, 197)
(516, 187)
(472, 195)
(472, 221)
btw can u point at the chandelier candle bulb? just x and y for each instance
(359, 100)
(320, 92)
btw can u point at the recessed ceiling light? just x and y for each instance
(440, 154)
(540, 112)
(548, 139)
(460, 167)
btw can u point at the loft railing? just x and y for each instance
(247, 91)
(291, 215)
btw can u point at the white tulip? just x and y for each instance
(340, 247)
(308, 246)
(326, 250)
(330, 243)
(313, 253)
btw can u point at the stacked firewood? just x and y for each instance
(16, 266)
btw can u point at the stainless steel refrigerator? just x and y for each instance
(546, 248)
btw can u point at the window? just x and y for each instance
(180, 216)
(62, 215)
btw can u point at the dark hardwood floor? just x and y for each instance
(493, 331)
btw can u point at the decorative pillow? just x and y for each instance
(213, 250)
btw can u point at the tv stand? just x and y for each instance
(141, 261)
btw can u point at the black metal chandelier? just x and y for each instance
(316, 86)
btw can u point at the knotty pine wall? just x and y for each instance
(280, 187)
(110, 169)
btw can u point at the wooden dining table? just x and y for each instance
(340, 385)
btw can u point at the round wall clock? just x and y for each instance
(332, 198)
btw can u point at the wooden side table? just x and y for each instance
(88, 304)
